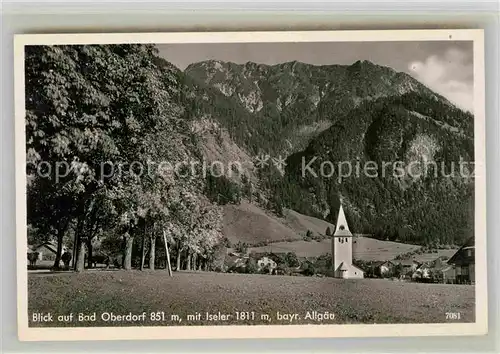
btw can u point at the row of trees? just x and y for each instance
(103, 125)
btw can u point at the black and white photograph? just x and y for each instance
(250, 184)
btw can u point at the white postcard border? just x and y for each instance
(479, 327)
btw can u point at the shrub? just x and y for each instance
(308, 269)
(291, 260)
(279, 258)
(241, 247)
(261, 244)
(323, 264)
(251, 266)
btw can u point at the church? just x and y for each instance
(342, 241)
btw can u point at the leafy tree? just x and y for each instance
(292, 260)
(251, 266)
(103, 112)
(308, 269)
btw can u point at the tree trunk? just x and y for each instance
(200, 262)
(80, 256)
(57, 261)
(188, 261)
(75, 245)
(167, 254)
(89, 254)
(79, 250)
(143, 251)
(63, 226)
(76, 251)
(178, 263)
(127, 258)
(195, 261)
(152, 252)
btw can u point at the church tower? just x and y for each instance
(342, 241)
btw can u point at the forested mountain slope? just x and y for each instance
(354, 115)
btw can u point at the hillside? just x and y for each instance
(250, 224)
(351, 114)
(364, 248)
(404, 200)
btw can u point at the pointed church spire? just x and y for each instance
(341, 221)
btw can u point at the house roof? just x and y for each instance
(445, 269)
(344, 267)
(460, 257)
(51, 246)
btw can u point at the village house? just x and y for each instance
(409, 266)
(464, 262)
(46, 251)
(266, 263)
(442, 272)
(448, 274)
(383, 268)
(234, 261)
(437, 271)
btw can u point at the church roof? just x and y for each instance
(342, 228)
(342, 266)
(346, 267)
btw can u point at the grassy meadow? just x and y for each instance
(365, 301)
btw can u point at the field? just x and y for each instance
(250, 224)
(351, 301)
(364, 248)
(426, 257)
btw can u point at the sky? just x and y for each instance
(446, 67)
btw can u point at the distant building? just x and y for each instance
(342, 241)
(383, 268)
(437, 271)
(449, 274)
(233, 263)
(46, 251)
(409, 265)
(464, 262)
(266, 262)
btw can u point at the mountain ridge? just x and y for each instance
(359, 112)
(296, 95)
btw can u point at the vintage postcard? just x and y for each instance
(250, 184)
